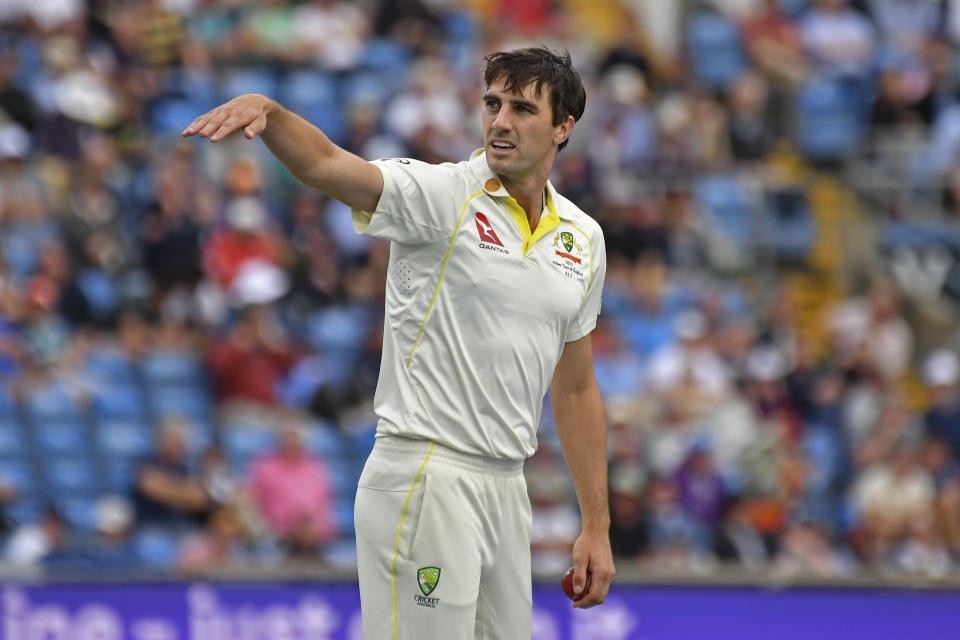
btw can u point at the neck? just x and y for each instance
(529, 194)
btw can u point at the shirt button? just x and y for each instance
(492, 185)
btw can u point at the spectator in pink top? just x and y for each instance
(293, 491)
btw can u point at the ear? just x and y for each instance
(564, 130)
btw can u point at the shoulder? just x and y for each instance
(568, 210)
(415, 167)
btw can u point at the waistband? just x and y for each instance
(397, 447)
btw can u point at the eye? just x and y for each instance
(491, 103)
(524, 108)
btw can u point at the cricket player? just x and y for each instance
(493, 288)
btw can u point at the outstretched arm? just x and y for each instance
(304, 149)
(578, 413)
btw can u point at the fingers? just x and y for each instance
(256, 127)
(593, 563)
(597, 588)
(207, 123)
(244, 112)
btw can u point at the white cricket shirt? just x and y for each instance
(478, 308)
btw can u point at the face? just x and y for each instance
(519, 135)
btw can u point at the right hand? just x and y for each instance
(248, 112)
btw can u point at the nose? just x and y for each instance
(501, 122)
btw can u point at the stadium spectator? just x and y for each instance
(31, 543)
(292, 489)
(110, 552)
(249, 362)
(165, 492)
(840, 40)
(218, 545)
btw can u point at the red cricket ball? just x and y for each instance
(567, 584)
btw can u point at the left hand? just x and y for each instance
(592, 554)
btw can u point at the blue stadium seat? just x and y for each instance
(323, 440)
(241, 445)
(360, 441)
(189, 402)
(343, 478)
(249, 80)
(100, 290)
(309, 89)
(12, 443)
(726, 208)
(119, 474)
(828, 120)
(124, 439)
(344, 512)
(156, 549)
(17, 473)
(52, 402)
(60, 438)
(8, 407)
(366, 88)
(119, 401)
(24, 509)
(80, 511)
(387, 56)
(171, 115)
(71, 476)
(716, 53)
(109, 365)
(172, 367)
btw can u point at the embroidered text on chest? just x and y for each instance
(568, 255)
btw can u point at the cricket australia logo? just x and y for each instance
(427, 578)
(568, 255)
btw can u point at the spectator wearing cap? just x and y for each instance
(109, 551)
(246, 238)
(293, 491)
(941, 373)
(689, 366)
(31, 543)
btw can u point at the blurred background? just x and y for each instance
(190, 340)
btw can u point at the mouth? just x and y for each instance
(502, 146)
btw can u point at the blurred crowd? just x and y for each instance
(776, 402)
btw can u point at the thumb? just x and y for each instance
(579, 577)
(256, 127)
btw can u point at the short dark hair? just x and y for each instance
(541, 66)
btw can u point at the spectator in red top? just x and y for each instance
(293, 491)
(246, 238)
(774, 44)
(249, 362)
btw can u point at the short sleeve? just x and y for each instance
(586, 318)
(419, 203)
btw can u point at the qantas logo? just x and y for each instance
(488, 237)
(485, 229)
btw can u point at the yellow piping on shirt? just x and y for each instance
(443, 269)
(396, 552)
(589, 277)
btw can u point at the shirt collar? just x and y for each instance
(493, 186)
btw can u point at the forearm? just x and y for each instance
(583, 435)
(310, 156)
